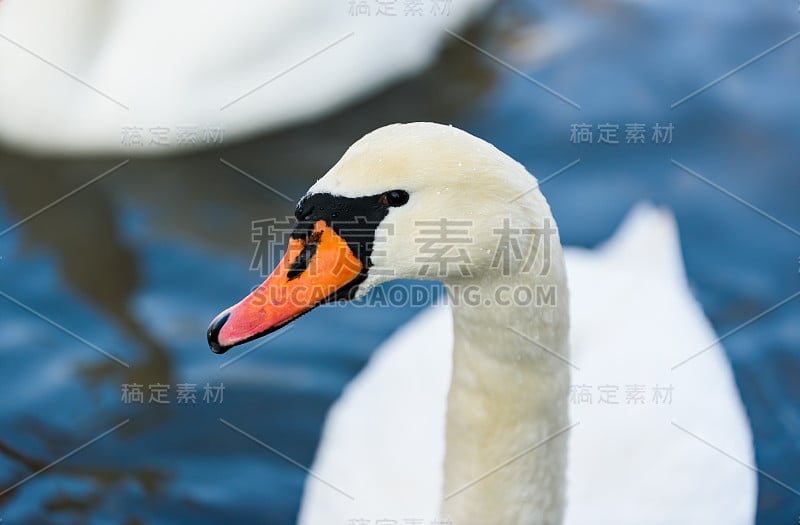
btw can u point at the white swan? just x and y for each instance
(481, 434)
(149, 76)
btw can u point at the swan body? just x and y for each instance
(153, 77)
(478, 413)
(633, 319)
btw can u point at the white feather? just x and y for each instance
(633, 320)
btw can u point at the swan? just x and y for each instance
(89, 76)
(476, 411)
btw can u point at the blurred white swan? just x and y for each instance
(147, 76)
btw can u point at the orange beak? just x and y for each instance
(315, 270)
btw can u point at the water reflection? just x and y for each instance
(100, 251)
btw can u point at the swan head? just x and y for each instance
(406, 201)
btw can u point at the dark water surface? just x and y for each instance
(138, 263)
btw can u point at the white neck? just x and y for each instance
(505, 455)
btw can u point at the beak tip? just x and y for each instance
(213, 333)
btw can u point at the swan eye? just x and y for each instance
(394, 198)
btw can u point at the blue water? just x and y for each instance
(137, 264)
